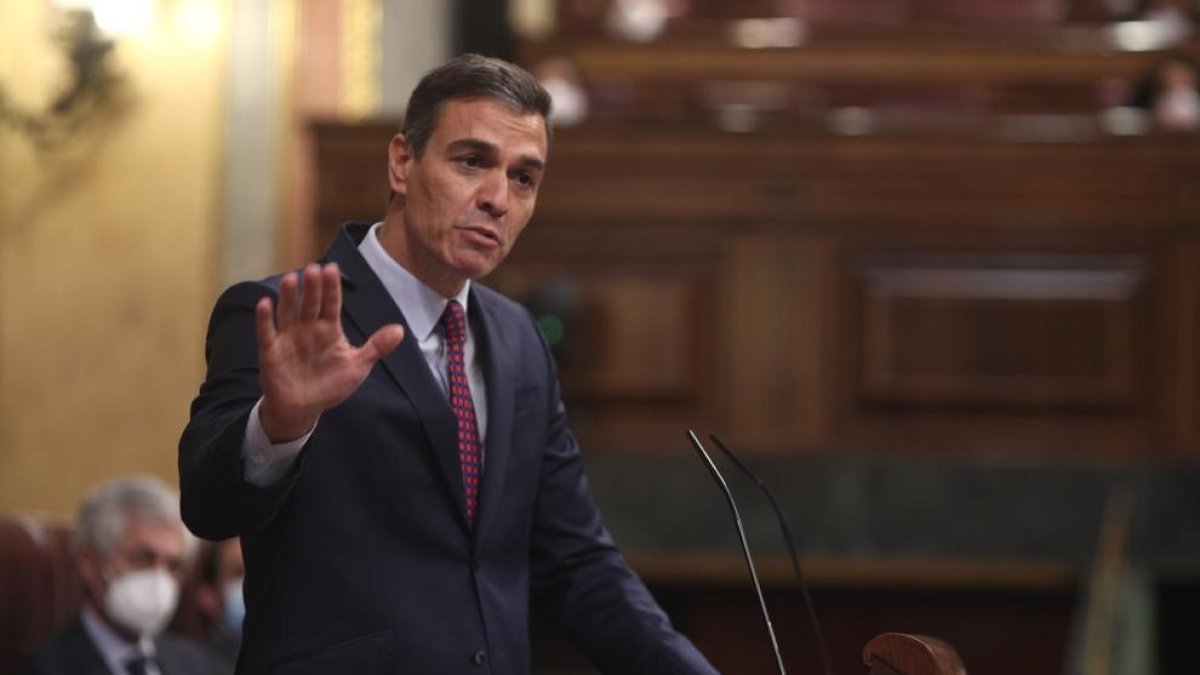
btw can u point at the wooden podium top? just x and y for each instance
(903, 654)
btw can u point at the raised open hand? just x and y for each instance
(306, 364)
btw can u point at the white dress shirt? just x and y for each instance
(113, 648)
(265, 462)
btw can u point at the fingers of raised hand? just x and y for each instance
(264, 322)
(318, 297)
(288, 309)
(310, 295)
(331, 292)
(381, 343)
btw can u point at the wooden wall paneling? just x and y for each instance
(1186, 312)
(996, 633)
(1082, 376)
(905, 58)
(1184, 368)
(869, 12)
(352, 182)
(1093, 11)
(1002, 616)
(636, 337)
(663, 180)
(905, 184)
(777, 315)
(807, 182)
(737, 224)
(582, 14)
(982, 332)
(639, 360)
(1012, 13)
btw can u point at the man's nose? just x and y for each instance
(493, 194)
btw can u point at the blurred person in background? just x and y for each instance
(219, 599)
(1170, 93)
(131, 550)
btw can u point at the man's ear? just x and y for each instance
(399, 157)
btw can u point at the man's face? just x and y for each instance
(145, 545)
(469, 196)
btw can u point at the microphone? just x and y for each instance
(737, 519)
(826, 664)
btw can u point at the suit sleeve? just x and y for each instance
(583, 583)
(216, 500)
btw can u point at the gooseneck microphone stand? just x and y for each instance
(826, 663)
(737, 518)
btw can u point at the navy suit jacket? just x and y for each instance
(361, 558)
(72, 652)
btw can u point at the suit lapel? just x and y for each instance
(368, 306)
(497, 356)
(82, 653)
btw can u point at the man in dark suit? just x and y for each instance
(131, 548)
(389, 442)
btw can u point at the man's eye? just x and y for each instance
(525, 179)
(472, 161)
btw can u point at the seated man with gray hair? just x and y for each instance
(131, 549)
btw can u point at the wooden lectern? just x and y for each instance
(903, 654)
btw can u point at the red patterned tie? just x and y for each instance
(455, 324)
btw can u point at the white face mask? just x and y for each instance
(143, 601)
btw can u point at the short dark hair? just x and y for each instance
(470, 76)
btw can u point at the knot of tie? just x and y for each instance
(455, 322)
(138, 665)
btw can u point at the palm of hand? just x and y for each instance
(311, 367)
(306, 364)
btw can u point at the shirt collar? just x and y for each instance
(114, 648)
(422, 306)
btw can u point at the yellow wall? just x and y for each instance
(107, 255)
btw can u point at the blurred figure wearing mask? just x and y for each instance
(1177, 106)
(219, 599)
(131, 549)
(1170, 93)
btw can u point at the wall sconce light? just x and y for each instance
(93, 83)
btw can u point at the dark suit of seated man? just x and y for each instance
(390, 443)
(131, 548)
